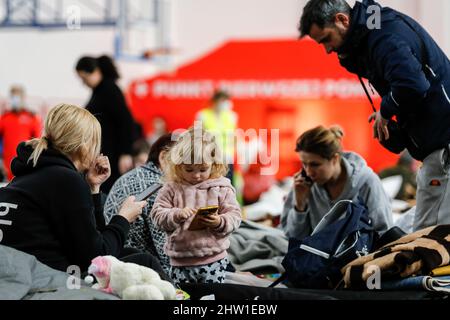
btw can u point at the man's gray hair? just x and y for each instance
(321, 13)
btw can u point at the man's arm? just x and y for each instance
(403, 71)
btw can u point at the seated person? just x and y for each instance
(405, 169)
(143, 235)
(331, 175)
(139, 152)
(53, 203)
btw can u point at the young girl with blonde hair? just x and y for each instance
(194, 175)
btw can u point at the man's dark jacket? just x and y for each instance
(412, 79)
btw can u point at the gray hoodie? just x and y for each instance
(361, 181)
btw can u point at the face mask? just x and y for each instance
(225, 105)
(15, 102)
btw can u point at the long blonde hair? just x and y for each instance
(195, 146)
(71, 130)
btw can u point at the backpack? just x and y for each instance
(344, 234)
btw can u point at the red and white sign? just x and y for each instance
(291, 85)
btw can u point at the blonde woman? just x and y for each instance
(194, 174)
(53, 204)
(328, 175)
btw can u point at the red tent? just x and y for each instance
(290, 85)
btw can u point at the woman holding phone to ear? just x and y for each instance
(329, 175)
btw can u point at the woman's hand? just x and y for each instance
(182, 215)
(302, 189)
(211, 220)
(98, 173)
(131, 209)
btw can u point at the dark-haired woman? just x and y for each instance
(144, 234)
(330, 175)
(108, 105)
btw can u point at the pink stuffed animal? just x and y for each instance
(129, 280)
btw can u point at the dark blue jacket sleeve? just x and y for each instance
(403, 71)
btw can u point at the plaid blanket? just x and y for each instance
(414, 254)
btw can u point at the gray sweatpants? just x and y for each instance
(433, 191)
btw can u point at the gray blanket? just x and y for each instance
(257, 248)
(22, 276)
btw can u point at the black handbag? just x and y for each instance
(398, 138)
(344, 234)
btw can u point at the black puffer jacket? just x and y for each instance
(413, 80)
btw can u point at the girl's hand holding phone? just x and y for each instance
(211, 220)
(182, 215)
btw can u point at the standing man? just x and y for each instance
(411, 74)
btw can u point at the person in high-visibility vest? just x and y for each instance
(220, 119)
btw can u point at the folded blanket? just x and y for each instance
(22, 276)
(428, 283)
(255, 247)
(248, 279)
(441, 271)
(414, 254)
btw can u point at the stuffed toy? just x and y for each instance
(417, 253)
(129, 281)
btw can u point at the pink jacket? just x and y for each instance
(200, 247)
